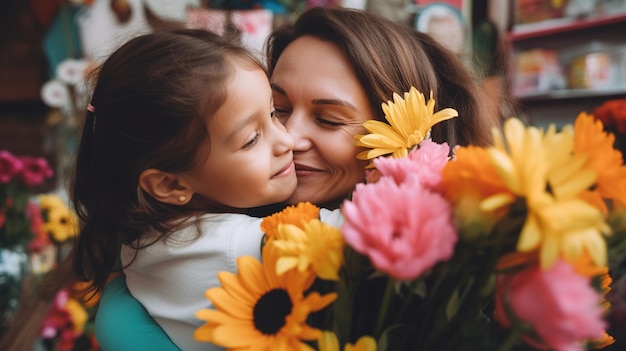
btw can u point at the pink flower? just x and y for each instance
(41, 238)
(36, 169)
(423, 165)
(403, 228)
(560, 305)
(9, 166)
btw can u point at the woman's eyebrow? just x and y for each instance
(335, 102)
(338, 102)
(280, 90)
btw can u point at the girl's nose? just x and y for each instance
(284, 141)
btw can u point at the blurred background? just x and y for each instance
(541, 60)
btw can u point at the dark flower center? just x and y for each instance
(271, 311)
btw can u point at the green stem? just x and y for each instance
(512, 338)
(384, 307)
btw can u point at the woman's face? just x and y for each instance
(321, 103)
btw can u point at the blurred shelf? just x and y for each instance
(562, 25)
(572, 94)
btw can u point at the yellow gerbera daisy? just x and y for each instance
(592, 141)
(259, 310)
(328, 342)
(410, 119)
(558, 220)
(297, 215)
(61, 224)
(318, 246)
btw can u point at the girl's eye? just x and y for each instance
(252, 141)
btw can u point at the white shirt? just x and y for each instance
(170, 277)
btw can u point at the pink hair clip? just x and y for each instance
(91, 109)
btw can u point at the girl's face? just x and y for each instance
(250, 160)
(321, 103)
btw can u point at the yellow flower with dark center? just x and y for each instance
(60, 222)
(410, 120)
(318, 246)
(328, 342)
(558, 220)
(259, 310)
(297, 215)
(597, 145)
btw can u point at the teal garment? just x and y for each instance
(123, 324)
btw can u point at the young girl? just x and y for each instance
(178, 140)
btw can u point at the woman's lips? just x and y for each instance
(304, 170)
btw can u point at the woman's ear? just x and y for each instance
(165, 187)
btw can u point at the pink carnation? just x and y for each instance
(560, 305)
(403, 228)
(9, 166)
(423, 165)
(36, 170)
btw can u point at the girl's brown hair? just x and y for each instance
(389, 58)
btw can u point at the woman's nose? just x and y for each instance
(297, 126)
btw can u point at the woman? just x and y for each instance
(330, 72)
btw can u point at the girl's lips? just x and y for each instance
(286, 170)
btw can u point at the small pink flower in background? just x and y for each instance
(424, 165)
(58, 317)
(403, 228)
(41, 238)
(9, 166)
(36, 170)
(560, 305)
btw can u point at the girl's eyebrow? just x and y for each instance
(338, 102)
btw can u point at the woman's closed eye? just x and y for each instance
(328, 123)
(281, 113)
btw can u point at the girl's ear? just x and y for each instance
(165, 187)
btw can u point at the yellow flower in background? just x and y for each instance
(78, 315)
(60, 222)
(328, 342)
(259, 310)
(410, 119)
(297, 215)
(597, 146)
(558, 220)
(568, 177)
(318, 246)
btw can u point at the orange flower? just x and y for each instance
(590, 139)
(297, 215)
(468, 180)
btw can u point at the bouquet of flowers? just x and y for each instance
(506, 247)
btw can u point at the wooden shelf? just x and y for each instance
(562, 25)
(565, 94)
